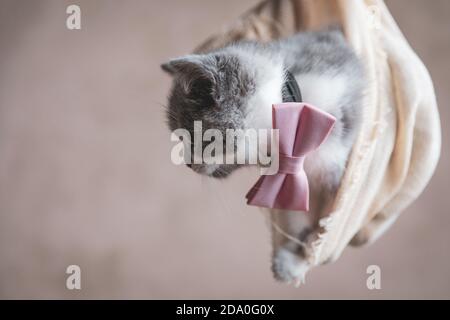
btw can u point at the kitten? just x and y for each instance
(235, 86)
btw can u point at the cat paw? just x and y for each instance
(289, 267)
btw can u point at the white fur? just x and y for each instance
(290, 267)
(269, 81)
(323, 91)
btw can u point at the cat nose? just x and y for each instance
(199, 168)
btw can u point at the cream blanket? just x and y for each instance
(399, 144)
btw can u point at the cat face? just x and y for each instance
(215, 89)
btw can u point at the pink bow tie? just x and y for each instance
(302, 128)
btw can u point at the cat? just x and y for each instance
(235, 86)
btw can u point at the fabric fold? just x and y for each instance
(398, 146)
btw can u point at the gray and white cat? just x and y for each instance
(234, 88)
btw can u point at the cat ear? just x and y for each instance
(168, 67)
(195, 74)
(188, 65)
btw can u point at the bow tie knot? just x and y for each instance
(289, 164)
(302, 129)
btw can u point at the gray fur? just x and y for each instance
(212, 88)
(227, 88)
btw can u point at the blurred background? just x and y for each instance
(86, 176)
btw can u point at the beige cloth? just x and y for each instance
(398, 146)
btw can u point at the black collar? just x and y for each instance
(291, 91)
